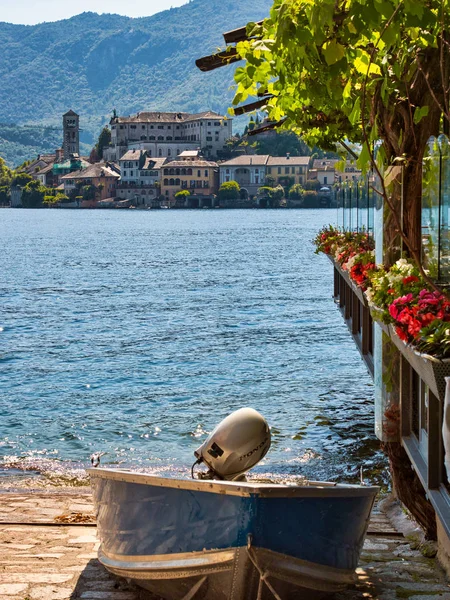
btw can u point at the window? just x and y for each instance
(132, 126)
(160, 126)
(227, 171)
(151, 137)
(279, 170)
(189, 171)
(227, 178)
(193, 183)
(177, 181)
(131, 173)
(177, 171)
(171, 181)
(199, 174)
(169, 126)
(256, 170)
(171, 172)
(121, 126)
(151, 127)
(169, 138)
(325, 179)
(166, 182)
(143, 126)
(205, 184)
(269, 170)
(178, 152)
(209, 123)
(256, 178)
(286, 170)
(209, 139)
(169, 152)
(216, 123)
(166, 171)
(160, 137)
(177, 127)
(160, 152)
(124, 173)
(206, 172)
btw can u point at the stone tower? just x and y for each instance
(71, 133)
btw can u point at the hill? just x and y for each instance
(94, 63)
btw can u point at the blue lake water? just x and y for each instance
(135, 332)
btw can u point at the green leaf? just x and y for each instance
(333, 51)
(419, 113)
(355, 115)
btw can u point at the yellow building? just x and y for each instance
(287, 170)
(198, 176)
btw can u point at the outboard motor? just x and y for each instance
(236, 445)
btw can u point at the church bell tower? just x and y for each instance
(71, 133)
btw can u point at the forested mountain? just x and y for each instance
(95, 63)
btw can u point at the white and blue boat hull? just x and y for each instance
(192, 539)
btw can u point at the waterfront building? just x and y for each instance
(101, 176)
(248, 170)
(326, 172)
(193, 173)
(140, 178)
(167, 134)
(288, 170)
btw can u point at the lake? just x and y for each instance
(135, 332)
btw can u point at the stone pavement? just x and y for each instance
(48, 551)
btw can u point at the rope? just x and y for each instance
(262, 576)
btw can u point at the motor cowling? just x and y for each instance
(236, 445)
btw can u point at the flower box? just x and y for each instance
(430, 369)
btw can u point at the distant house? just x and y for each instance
(248, 170)
(324, 170)
(101, 176)
(287, 170)
(140, 178)
(200, 177)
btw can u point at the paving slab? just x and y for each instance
(48, 551)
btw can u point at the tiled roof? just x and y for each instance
(45, 170)
(321, 163)
(70, 113)
(189, 153)
(131, 155)
(93, 171)
(166, 117)
(282, 161)
(189, 164)
(247, 160)
(154, 163)
(208, 114)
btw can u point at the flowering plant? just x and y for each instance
(399, 295)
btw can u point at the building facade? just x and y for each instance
(200, 177)
(165, 134)
(249, 171)
(140, 178)
(100, 176)
(288, 170)
(71, 134)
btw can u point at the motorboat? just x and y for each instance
(217, 536)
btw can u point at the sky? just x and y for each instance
(30, 12)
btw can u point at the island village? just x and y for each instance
(173, 160)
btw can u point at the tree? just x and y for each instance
(229, 190)
(182, 194)
(104, 139)
(21, 179)
(33, 194)
(362, 72)
(296, 192)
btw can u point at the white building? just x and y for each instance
(164, 134)
(248, 170)
(140, 178)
